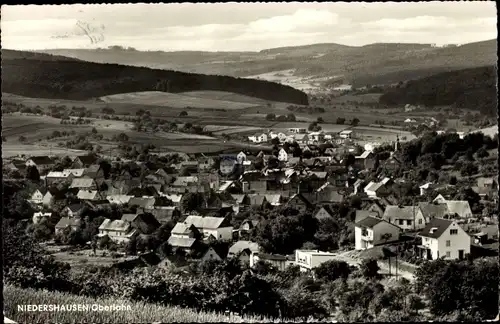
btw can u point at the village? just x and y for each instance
(179, 209)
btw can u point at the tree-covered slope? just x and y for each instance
(474, 89)
(43, 76)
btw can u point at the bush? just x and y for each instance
(369, 268)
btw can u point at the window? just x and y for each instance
(400, 222)
(453, 231)
(448, 243)
(448, 254)
(420, 222)
(408, 222)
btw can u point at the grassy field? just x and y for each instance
(165, 99)
(11, 150)
(225, 96)
(138, 313)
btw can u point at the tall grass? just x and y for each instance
(139, 313)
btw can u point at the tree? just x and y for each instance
(468, 169)
(32, 173)
(332, 270)
(290, 117)
(183, 113)
(319, 120)
(275, 141)
(340, 121)
(270, 117)
(94, 130)
(369, 268)
(22, 139)
(355, 122)
(482, 153)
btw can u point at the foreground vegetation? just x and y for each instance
(141, 312)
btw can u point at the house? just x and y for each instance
(433, 210)
(84, 194)
(377, 207)
(486, 187)
(328, 193)
(53, 176)
(186, 244)
(40, 162)
(74, 211)
(247, 225)
(282, 155)
(38, 217)
(205, 164)
(75, 173)
(406, 217)
(459, 208)
(142, 203)
(241, 157)
(119, 199)
(37, 196)
(346, 134)
(240, 200)
(258, 138)
(444, 238)
(377, 189)
(227, 166)
(365, 161)
(176, 199)
(93, 171)
(274, 199)
(218, 227)
(185, 181)
(372, 231)
(117, 230)
(166, 214)
(214, 253)
(410, 121)
(362, 214)
(280, 262)
(256, 200)
(439, 199)
(84, 161)
(243, 250)
(67, 222)
(299, 202)
(324, 212)
(144, 223)
(307, 260)
(84, 183)
(392, 163)
(426, 187)
(297, 130)
(184, 230)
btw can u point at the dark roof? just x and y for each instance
(277, 257)
(440, 224)
(87, 160)
(164, 215)
(150, 259)
(42, 160)
(369, 222)
(76, 207)
(141, 192)
(301, 198)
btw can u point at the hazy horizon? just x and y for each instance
(244, 27)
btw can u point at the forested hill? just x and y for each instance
(45, 77)
(474, 89)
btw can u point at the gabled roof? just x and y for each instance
(273, 199)
(129, 217)
(243, 245)
(206, 222)
(396, 212)
(373, 186)
(87, 159)
(56, 174)
(183, 228)
(84, 194)
(164, 215)
(184, 181)
(142, 202)
(365, 155)
(74, 172)
(251, 222)
(117, 225)
(68, 221)
(118, 199)
(238, 198)
(76, 207)
(42, 160)
(301, 198)
(430, 210)
(82, 183)
(184, 242)
(369, 222)
(256, 199)
(440, 226)
(174, 198)
(459, 207)
(148, 191)
(362, 214)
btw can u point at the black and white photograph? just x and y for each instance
(266, 162)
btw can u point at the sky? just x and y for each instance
(244, 26)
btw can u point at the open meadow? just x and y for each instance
(12, 150)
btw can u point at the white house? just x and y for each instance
(409, 120)
(426, 187)
(444, 238)
(280, 262)
(39, 216)
(406, 217)
(372, 231)
(310, 259)
(460, 208)
(282, 155)
(297, 130)
(117, 230)
(439, 199)
(346, 134)
(218, 227)
(37, 197)
(241, 157)
(258, 138)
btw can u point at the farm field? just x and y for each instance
(325, 127)
(382, 134)
(12, 150)
(165, 99)
(225, 96)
